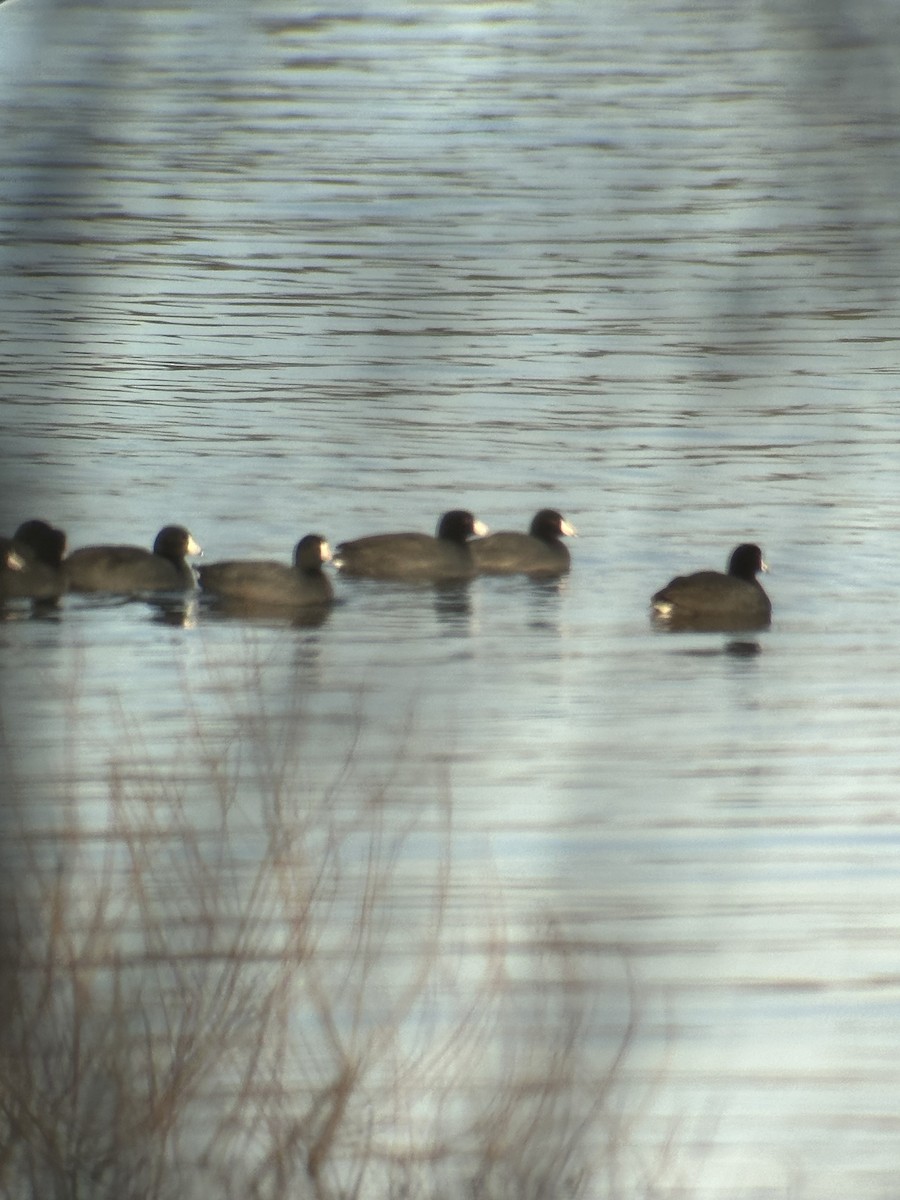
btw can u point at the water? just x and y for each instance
(269, 272)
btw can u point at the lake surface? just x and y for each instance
(269, 271)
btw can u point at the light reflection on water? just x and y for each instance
(611, 265)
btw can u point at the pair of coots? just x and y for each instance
(409, 556)
(34, 565)
(462, 548)
(383, 556)
(713, 600)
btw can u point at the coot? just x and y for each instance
(415, 556)
(538, 552)
(39, 548)
(713, 600)
(126, 569)
(273, 584)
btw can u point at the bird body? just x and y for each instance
(127, 569)
(414, 556)
(716, 600)
(538, 552)
(262, 582)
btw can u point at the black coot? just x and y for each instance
(39, 548)
(273, 584)
(127, 569)
(709, 599)
(415, 556)
(538, 552)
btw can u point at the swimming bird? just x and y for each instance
(538, 552)
(275, 584)
(711, 599)
(127, 569)
(415, 556)
(39, 547)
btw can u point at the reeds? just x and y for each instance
(244, 984)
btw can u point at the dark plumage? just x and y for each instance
(273, 584)
(538, 552)
(712, 600)
(39, 548)
(415, 556)
(127, 569)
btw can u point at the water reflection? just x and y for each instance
(737, 649)
(453, 606)
(674, 623)
(305, 616)
(544, 599)
(34, 610)
(177, 609)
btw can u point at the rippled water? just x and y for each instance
(269, 272)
